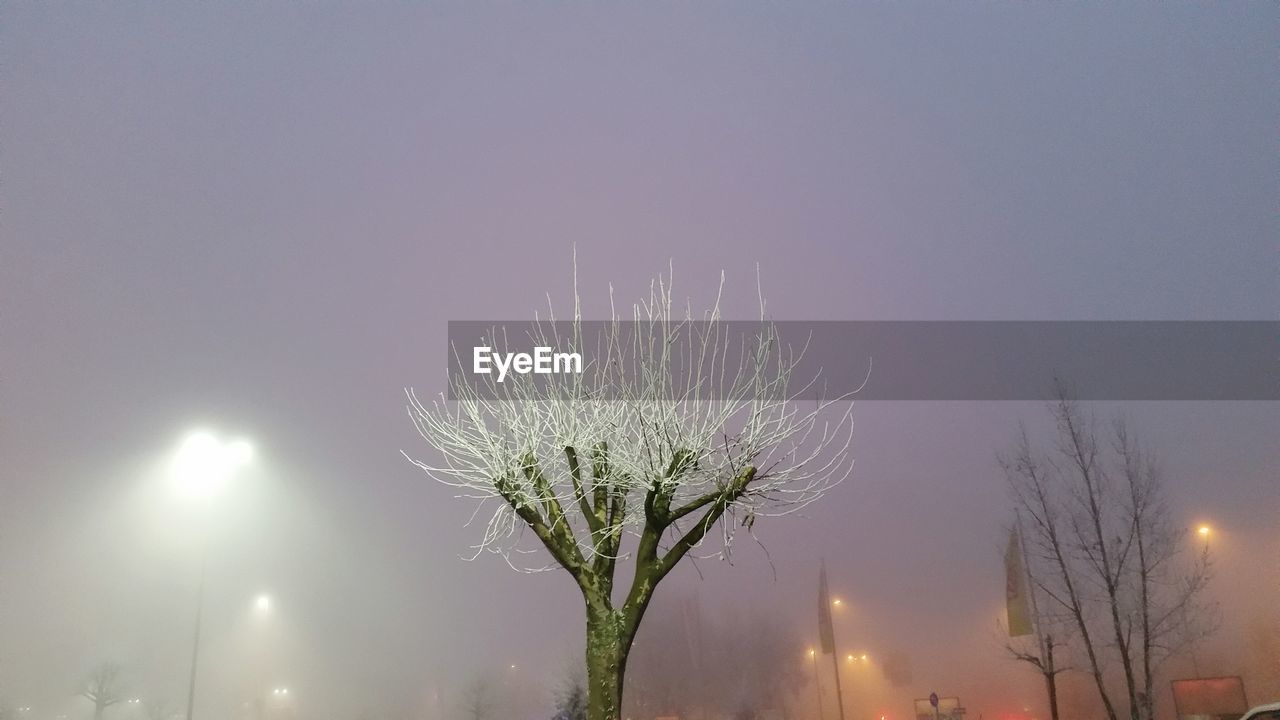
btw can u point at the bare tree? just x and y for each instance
(571, 696)
(761, 660)
(635, 447)
(1037, 496)
(1100, 535)
(667, 664)
(737, 661)
(103, 688)
(478, 699)
(1108, 554)
(1172, 610)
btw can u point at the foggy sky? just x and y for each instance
(260, 218)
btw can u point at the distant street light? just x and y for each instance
(262, 604)
(1204, 531)
(837, 602)
(202, 465)
(817, 682)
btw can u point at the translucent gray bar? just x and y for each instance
(969, 360)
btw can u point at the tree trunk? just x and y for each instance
(1051, 678)
(1123, 646)
(607, 646)
(1052, 682)
(1148, 696)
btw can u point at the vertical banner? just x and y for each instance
(1017, 594)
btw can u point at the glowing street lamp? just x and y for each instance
(262, 604)
(201, 466)
(1205, 531)
(203, 463)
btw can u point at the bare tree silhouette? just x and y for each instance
(103, 688)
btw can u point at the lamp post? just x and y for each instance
(817, 682)
(263, 610)
(202, 464)
(1204, 531)
(835, 666)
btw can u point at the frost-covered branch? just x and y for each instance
(673, 409)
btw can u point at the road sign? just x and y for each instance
(935, 707)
